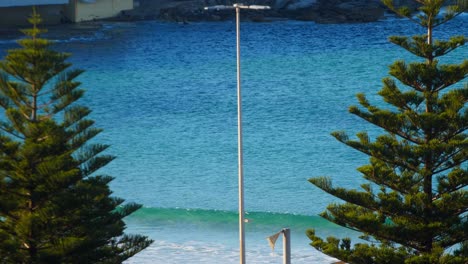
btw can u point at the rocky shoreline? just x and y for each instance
(319, 11)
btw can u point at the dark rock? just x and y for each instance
(194, 11)
(334, 11)
(320, 11)
(348, 11)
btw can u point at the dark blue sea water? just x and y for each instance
(165, 95)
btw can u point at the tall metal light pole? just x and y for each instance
(238, 7)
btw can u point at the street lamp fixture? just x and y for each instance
(235, 6)
(238, 7)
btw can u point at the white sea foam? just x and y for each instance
(201, 252)
(187, 241)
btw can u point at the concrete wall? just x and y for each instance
(18, 15)
(89, 10)
(15, 12)
(9, 3)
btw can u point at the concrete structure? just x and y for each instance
(86, 10)
(14, 13)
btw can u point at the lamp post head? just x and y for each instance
(218, 7)
(257, 7)
(235, 6)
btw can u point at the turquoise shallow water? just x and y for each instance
(211, 236)
(165, 95)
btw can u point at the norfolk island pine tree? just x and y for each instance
(54, 208)
(414, 207)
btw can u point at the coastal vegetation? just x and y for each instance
(54, 208)
(413, 208)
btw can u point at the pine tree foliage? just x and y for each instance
(53, 207)
(414, 207)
